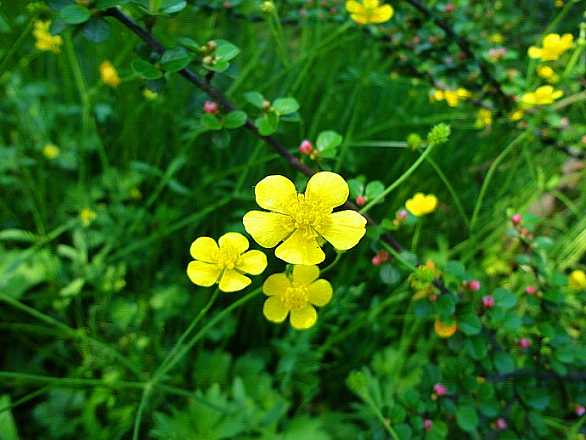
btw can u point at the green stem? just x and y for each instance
(24, 399)
(332, 264)
(398, 257)
(16, 45)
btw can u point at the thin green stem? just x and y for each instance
(398, 257)
(28, 397)
(332, 264)
(16, 45)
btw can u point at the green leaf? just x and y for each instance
(225, 50)
(145, 69)
(176, 59)
(328, 142)
(285, 106)
(374, 189)
(211, 122)
(446, 306)
(504, 363)
(255, 99)
(96, 30)
(218, 66)
(172, 6)
(267, 124)
(74, 14)
(235, 119)
(356, 188)
(467, 417)
(389, 274)
(189, 43)
(470, 324)
(504, 298)
(476, 347)
(7, 425)
(107, 4)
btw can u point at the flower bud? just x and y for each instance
(488, 301)
(501, 424)
(266, 105)
(530, 290)
(305, 147)
(580, 410)
(525, 343)
(516, 219)
(427, 424)
(473, 285)
(440, 389)
(360, 200)
(211, 107)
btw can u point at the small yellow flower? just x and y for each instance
(51, 151)
(444, 330)
(225, 264)
(303, 221)
(369, 11)
(150, 95)
(44, 40)
(421, 204)
(553, 47)
(437, 95)
(547, 73)
(109, 74)
(452, 97)
(577, 280)
(296, 295)
(496, 38)
(87, 216)
(544, 95)
(517, 115)
(483, 118)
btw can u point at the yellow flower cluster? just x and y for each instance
(109, 74)
(421, 204)
(553, 47)
(483, 118)
(299, 224)
(51, 151)
(452, 97)
(577, 280)
(543, 95)
(44, 40)
(369, 11)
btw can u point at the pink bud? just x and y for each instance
(402, 214)
(360, 200)
(376, 261)
(488, 301)
(501, 424)
(473, 285)
(440, 389)
(449, 8)
(525, 343)
(516, 219)
(580, 410)
(427, 424)
(306, 147)
(211, 107)
(530, 290)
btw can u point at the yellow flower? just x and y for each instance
(51, 151)
(303, 221)
(437, 95)
(483, 118)
(547, 73)
(578, 280)
(553, 47)
(44, 40)
(150, 95)
(444, 330)
(496, 38)
(452, 97)
(109, 74)
(421, 204)
(87, 216)
(225, 264)
(517, 115)
(369, 11)
(296, 295)
(544, 95)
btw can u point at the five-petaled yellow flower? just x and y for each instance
(296, 295)
(553, 47)
(421, 204)
(44, 40)
(369, 11)
(225, 264)
(543, 95)
(452, 97)
(51, 151)
(303, 221)
(444, 330)
(109, 74)
(578, 280)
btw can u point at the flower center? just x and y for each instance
(295, 297)
(307, 215)
(227, 257)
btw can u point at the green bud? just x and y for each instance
(414, 141)
(268, 7)
(439, 134)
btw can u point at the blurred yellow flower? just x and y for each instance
(577, 280)
(547, 73)
(553, 47)
(87, 216)
(51, 151)
(44, 40)
(496, 38)
(369, 11)
(421, 204)
(150, 95)
(297, 295)
(303, 221)
(517, 115)
(444, 330)
(109, 74)
(452, 97)
(225, 264)
(483, 118)
(543, 95)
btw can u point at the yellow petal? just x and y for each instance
(276, 284)
(567, 41)
(232, 281)
(320, 293)
(267, 228)
(551, 40)
(204, 249)
(300, 249)
(444, 330)
(360, 18)
(202, 274)
(370, 4)
(330, 189)
(252, 262)
(275, 193)
(535, 52)
(234, 240)
(274, 309)
(344, 229)
(557, 94)
(382, 14)
(354, 7)
(303, 318)
(305, 274)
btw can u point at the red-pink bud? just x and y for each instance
(402, 214)
(376, 261)
(580, 410)
(530, 290)
(516, 219)
(360, 200)
(440, 389)
(488, 301)
(211, 107)
(501, 424)
(473, 285)
(525, 343)
(449, 8)
(305, 147)
(427, 424)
